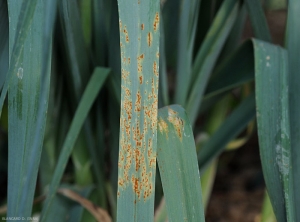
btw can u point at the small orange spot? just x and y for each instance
(163, 126)
(176, 121)
(138, 143)
(155, 69)
(142, 26)
(140, 68)
(156, 22)
(138, 103)
(149, 38)
(141, 79)
(126, 34)
(141, 57)
(128, 60)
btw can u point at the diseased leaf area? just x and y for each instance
(178, 165)
(139, 42)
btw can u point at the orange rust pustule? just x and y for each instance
(126, 34)
(135, 185)
(163, 126)
(138, 102)
(141, 79)
(149, 39)
(137, 155)
(125, 74)
(156, 22)
(155, 69)
(140, 68)
(177, 122)
(140, 57)
(142, 26)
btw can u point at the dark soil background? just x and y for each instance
(239, 186)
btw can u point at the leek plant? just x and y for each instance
(86, 102)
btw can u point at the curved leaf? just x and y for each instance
(273, 123)
(177, 161)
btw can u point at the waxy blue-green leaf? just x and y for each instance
(273, 124)
(139, 41)
(258, 20)
(163, 78)
(292, 44)
(230, 128)
(177, 161)
(3, 42)
(78, 61)
(171, 18)
(99, 35)
(236, 69)
(189, 11)
(208, 54)
(23, 14)
(236, 34)
(87, 100)
(29, 80)
(86, 18)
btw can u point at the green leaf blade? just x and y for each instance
(258, 20)
(177, 161)
(271, 68)
(139, 41)
(292, 43)
(208, 54)
(186, 35)
(28, 65)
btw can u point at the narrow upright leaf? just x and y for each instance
(3, 42)
(271, 68)
(230, 128)
(186, 36)
(27, 104)
(139, 40)
(208, 54)
(292, 43)
(87, 100)
(258, 20)
(21, 19)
